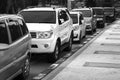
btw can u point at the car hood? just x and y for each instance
(88, 19)
(40, 27)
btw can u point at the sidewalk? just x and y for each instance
(100, 60)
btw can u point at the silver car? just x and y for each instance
(14, 47)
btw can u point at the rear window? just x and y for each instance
(74, 18)
(39, 16)
(3, 33)
(98, 11)
(86, 13)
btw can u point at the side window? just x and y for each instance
(62, 17)
(23, 26)
(80, 20)
(3, 33)
(94, 13)
(15, 30)
(81, 16)
(65, 16)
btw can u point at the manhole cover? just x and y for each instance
(102, 65)
(107, 52)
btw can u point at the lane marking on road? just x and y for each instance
(115, 30)
(92, 36)
(85, 42)
(110, 44)
(39, 77)
(53, 66)
(107, 52)
(114, 34)
(88, 39)
(113, 38)
(102, 65)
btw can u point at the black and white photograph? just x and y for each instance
(59, 39)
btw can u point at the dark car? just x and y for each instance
(14, 47)
(109, 13)
(99, 14)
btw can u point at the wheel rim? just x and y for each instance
(26, 69)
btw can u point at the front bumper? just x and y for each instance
(88, 27)
(43, 45)
(100, 23)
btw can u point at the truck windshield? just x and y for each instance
(98, 11)
(39, 16)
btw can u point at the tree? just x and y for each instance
(90, 3)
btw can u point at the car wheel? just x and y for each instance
(84, 34)
(55, 55)
(69, 48)
(26, 70)
(95, 30)
(79, 41)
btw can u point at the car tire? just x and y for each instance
(26, 70)
(53, 57)
(79, 41)
(85, 34)
(69, 48)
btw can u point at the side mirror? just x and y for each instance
(61, 21)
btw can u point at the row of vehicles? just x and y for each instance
(45, 30)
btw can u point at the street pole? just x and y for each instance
(69, 4)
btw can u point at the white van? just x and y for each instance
(51, 30)
(79, 26)
(89, 18)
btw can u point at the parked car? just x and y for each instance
(89, 18)
(99, 14)
(109, 13)
(51, 30)
(79, 26)
(14, 47)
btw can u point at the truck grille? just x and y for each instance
(33, 34)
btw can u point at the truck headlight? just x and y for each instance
(44, 34)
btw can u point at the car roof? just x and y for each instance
(9, 16)
(97, 7)
(71, 12)
(43, 9)
(82, 9)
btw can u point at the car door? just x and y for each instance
(24, 44)
(64, 26)
(6, 52)
(15, 44)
